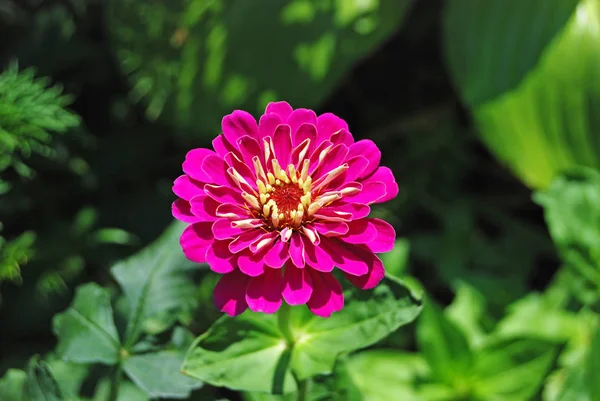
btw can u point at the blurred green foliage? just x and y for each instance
(109, 96)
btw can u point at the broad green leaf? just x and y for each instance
(69, 376)
(127, 392)
(158, 374)
(40, 384)
(367, 317)
(467, 311)
(156, 283)
(529, 71)
(533, 317)
(574, 386)
(241, 353)
(86, 331)
(512, 370)
(572, 210)
(190, 60)
(444, 345)
(483, 41)
(244, 353)
(383, 375)
(12, 385)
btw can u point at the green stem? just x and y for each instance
(115, 383)
(285, 324)
(303, 390)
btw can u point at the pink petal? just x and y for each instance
(222, 145)
(230, 293)
(264, 242)
(268, 123)
(249, 147)
(216, 168)
(186, 188)
(331, 229)
(248, 181)
(352, 259)
(223, 229)
(368, 149)
(327, 296)
(328, 124)
(345, 211)
(245, 239)
(195, 240)
(317, 258)
(282, 143)
(181, 211)
(297, 250)
(356, 166)
(385, 238)
(252, 264)
(297, 285)
(224, 194)
(220, 259)
(360, 232)
(372, 192)
(232, 212)
(204, 207)
(385, 175)
(306, 131)
(194, 160)
(372, 278)
(299, 117)
(343, 136)
(263, 293)
(278, 254)
(335, 158)
(283, 109)
(238, 124)
(318, 155)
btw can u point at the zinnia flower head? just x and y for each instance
(277, 205)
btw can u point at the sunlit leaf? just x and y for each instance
(529, 71)
(251, 353)
(368, 317)
(86, 331)
(127, 392)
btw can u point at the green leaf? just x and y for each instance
(127, 392)
(533, 100)
(40, 384)
(368, 317)
(533, 317)
(592, 367)
(512, 370)
(158, 374)
(201, 67)
(86, 331)
(384, 375)
(241, 353)
(156, 283)
(244, 353)
(467, 311)
(444, 345)
(572, 210)
(69, 376)
(12, 385)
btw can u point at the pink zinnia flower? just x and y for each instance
(277, 205)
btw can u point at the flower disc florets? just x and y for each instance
(277, 205)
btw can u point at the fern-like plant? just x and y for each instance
(30, 111)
